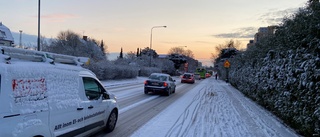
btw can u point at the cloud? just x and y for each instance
(275, 17)
(246, 32)
(205, 42)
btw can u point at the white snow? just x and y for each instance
(212, 108)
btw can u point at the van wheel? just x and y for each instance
(112, 121)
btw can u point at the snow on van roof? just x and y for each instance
(40, 56)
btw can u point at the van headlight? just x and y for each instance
(113, 97)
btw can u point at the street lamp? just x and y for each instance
(20, 38)
(151, 40)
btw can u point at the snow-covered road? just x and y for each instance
(214, 109)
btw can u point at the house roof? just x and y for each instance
(163, 56)
(5, 33)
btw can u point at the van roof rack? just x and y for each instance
(40, 56)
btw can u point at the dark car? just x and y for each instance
(187, 78)
(160, 83)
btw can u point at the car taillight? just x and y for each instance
(165, 84)
(146, 82)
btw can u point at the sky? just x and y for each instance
(212, 108)
(200, 25)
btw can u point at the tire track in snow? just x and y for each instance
(178, 126)
(223, 120)
(206, 98)
(194, 114)
(213, 107)
(242, 113)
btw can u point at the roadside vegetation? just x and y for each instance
(282, 71)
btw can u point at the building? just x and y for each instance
(251, 43)
(6, 38)
(262, 32)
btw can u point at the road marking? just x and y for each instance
(137, 104)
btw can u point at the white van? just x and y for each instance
(40, 96)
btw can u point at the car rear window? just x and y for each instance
(186, 75)
(158, 77)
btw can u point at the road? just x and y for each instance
(208, 108)
(136, 108)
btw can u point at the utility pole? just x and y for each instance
(38, 45)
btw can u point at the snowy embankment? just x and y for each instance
(214, 108)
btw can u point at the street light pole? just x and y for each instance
(20, 38)
(151, 41)
(38, 25)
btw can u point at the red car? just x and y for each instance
(208, 75)
(187, 78)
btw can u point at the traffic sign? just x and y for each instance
(226, 64)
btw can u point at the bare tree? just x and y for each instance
(131, 55)
(189, 53)
(228, 44)
(176, 50)
(181, 51)
(70, 43)
(231, 44)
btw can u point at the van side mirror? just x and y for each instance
(105, 95)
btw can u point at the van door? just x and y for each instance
(96, 114)
(66, 106)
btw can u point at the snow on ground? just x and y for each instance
(111, 83)
(214, 109)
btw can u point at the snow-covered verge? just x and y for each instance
(123, 82)
(282, 72)
(214, 109)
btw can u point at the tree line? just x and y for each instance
(143, 62)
